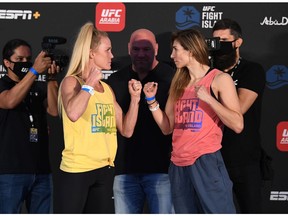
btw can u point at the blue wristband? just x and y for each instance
(88, 89)
(150, 99)
(34, 71)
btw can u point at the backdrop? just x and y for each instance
(265, 36)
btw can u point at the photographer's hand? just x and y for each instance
(53, 70)
(42, 63)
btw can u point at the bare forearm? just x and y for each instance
(230, 118)
(77, 105)
(130, 118)
(161, 119)
(11, 98)
(52, 96)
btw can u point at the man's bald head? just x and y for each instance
(143, 34)
(143, 50)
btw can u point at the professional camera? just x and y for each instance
(48, 45)
(213, 45)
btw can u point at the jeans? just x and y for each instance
(131, 192)
(34, 189)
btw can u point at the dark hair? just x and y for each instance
(234, 27)
(10, 47)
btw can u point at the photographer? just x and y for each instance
(24, 163)
(241, 152)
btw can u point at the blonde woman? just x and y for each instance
(201, 100)
(90, 116)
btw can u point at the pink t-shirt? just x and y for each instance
(197, 128)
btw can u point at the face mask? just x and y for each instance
(21, 68)
(226, 48)
(223, 62)
(225, 57)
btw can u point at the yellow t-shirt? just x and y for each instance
(91, 142)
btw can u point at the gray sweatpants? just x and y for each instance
(203, 187)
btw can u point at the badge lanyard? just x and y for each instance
(234, 68)
(33, 134)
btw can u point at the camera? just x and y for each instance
(213, 43)
(48, 45)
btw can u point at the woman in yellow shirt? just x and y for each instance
(90, 117)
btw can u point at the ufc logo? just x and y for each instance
(111, 12)
(110, 17)
(24, 70)
(282, 136)
(208, 8)
(279, 195)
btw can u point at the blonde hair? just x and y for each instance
(193, 41)
(88, 38)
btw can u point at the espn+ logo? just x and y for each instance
(279, 196)
(110, 17)
(15, 14)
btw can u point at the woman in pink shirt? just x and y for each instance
(201, 100)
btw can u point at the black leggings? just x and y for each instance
(87, 192)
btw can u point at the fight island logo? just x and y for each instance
(188, 17)
(277, 76)
(188, 115)
(110, 17)
(282, 136)
(103, 121)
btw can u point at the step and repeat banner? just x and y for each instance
(265, 33)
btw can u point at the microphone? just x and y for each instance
(54, 40)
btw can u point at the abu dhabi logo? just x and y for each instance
(274, 22)
(187, 17)
(277, 76)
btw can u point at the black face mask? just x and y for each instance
(226, 47)
(225, 57)
(21, 68)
